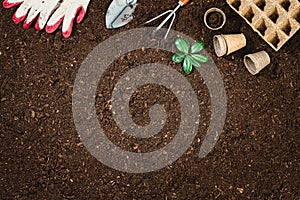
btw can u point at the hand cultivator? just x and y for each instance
(170, 14)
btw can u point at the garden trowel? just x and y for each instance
(119, 13)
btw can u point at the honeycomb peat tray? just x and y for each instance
(276, 21)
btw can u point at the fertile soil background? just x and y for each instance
(42, 156)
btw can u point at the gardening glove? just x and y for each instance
(32, 9)
(66, 13)
(11, 3)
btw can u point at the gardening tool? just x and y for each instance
(119, 13)
(172, 13)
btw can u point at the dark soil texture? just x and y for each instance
(214, 19)
(42, 157)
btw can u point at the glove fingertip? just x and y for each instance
(17, 20)
(37, 25)
(80, 15)
(26, 24)
(6, 4)
(67, 33)
(52, 28)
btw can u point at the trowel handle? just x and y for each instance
(183, 2)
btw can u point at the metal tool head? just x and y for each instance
(169, 14)
(119, 13)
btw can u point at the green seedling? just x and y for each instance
(189, 55)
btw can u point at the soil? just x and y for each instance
(214, 19)
(42, 156)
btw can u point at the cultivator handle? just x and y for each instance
(183, 2)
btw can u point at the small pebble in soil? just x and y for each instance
(32, 114)
(241, 190)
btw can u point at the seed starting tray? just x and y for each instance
(276, 21)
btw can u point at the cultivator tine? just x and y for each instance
(172, 13)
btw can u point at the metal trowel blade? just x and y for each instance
(119, 14)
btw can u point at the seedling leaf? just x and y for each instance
(187, 65)
(182, 45)
(194, 62)
(199, 58)
(197, 47)
(178, 57)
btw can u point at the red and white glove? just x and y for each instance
(67, 12)
(32, 9)
(45, 9)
